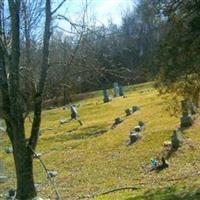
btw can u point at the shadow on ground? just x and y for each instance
(85, 133)
(168, 194)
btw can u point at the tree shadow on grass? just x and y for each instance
(85, 133)
(169, 193)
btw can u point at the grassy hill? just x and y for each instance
(92, 159)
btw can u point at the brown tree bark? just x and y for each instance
(12, 107)
(22, 155)
(24, 168)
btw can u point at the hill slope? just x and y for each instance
(93, 158)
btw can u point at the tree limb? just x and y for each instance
(45, 65)
(58, 7)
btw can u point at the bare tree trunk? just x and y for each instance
(12, 103)
(22, 155)
(12, 98)
(24, 167)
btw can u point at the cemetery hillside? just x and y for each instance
(94, 158)
(99, 99)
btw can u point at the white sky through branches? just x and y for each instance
(101, 10)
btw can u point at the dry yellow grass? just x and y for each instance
(91, 162)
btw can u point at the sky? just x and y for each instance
(103, 10)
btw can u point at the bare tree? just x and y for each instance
(12, 107)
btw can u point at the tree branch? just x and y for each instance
(45, 65)
(58, 7)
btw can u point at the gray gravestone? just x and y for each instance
(134, 136)
(192, 108)
(128, 111)
(177, 139)
(184, 106)
(137, 129)
(9, 150)
(141, 124)
(135, 108)
(106, 96)
(3, 178)
(116, 89)
(121, 91)
(11, 194)
(186, 119)
(118, 120)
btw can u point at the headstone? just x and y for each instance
(128, 111)
(9, 150)
(134, 136)
(121, 91)
(135, 108)
(137, 129)
(106, 96)
(3, 178)
(74, 112)
(192, 108)
(141, 124)
(184, 106)
(186, 119)
(116, 89)
(2, 130)
(177, 139)
(118, 120)
(11, 194)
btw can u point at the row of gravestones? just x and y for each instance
(135, 134)
(128, 112)
(118, 91)
(188, 116)
(187, 119)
